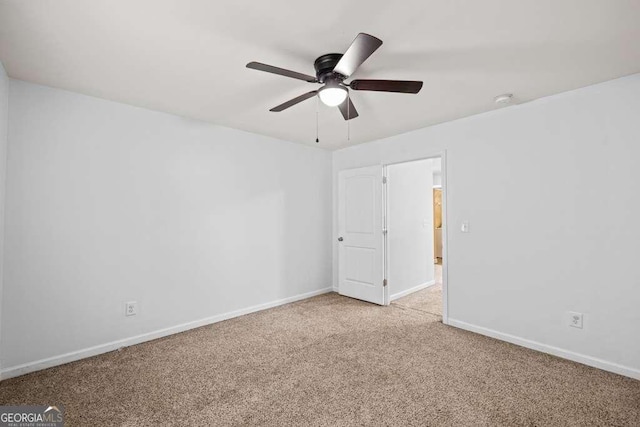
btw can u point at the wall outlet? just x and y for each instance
(575, 319)
(130, 308)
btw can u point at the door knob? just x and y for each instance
(340, 239)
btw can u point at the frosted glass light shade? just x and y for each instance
(332, 96)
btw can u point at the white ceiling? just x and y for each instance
(188, 57)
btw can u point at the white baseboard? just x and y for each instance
(412, 290)
(49, 362)
(544, 348)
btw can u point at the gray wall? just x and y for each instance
(4, 121)
(108, 203)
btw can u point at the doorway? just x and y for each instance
(392, 234)
(414, 235)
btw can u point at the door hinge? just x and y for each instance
(384, 282)
(384, 179)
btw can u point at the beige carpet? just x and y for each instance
(331, 361)
(428, 300)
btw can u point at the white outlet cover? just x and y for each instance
(130, 308)
(575, 319)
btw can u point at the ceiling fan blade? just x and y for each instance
(281, 71)
(294, 101)
(401, 86)
(348, 110)
(361, 48)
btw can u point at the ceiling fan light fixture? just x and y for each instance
(332, 69)
(332, 95)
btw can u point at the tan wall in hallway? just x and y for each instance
(437, 223)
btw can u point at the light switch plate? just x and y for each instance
(464, 227)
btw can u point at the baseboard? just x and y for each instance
(544, 348)
(412, 290)
(62, 359)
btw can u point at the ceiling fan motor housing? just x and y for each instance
(324, 66)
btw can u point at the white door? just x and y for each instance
(360, 236)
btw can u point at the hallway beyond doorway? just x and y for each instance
(428, 300)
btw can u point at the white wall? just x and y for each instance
(551, 236)
(4, 113)
(108, 203)
(437, 179)
(410, 227)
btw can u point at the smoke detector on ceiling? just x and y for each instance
(504, 99)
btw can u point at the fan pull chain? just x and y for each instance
(348, 115)
(317, 113)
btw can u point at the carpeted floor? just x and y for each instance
(428, 300)
(331, 361)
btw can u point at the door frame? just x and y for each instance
(445, 229)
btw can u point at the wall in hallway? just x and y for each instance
(410, 227)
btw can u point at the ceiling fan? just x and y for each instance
(333, 69)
